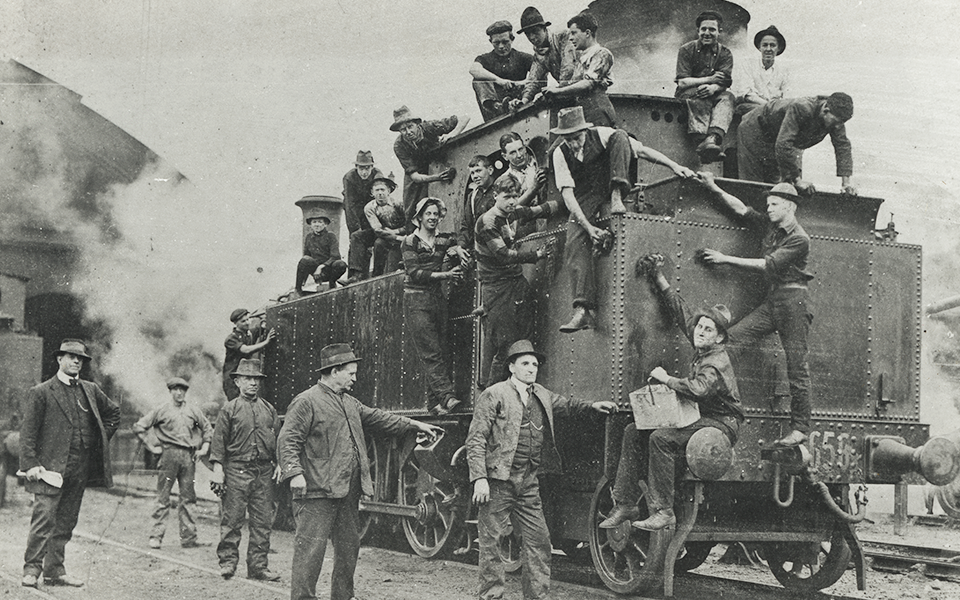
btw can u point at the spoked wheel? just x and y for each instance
(618, 554)
(574, 549)
(366, 518)
(809, 566)
(692, 555)
(433, 530)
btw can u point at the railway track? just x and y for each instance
(942, 563)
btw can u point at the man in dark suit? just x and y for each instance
(64, 446)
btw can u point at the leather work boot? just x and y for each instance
(580, 320)
(29, 580)
(227, 571)
(619, 514)
(709, 149)
(63, 580)
(662, 519)
(794, 438)
(154, 543)
(264, 575)
(451, 404)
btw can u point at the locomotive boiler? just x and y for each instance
(802, 503)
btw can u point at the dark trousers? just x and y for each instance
(626, 486)
(756, 156)
(520, 505)
(386, 253)
(320, 519)
(331, 273)
(176, 465)
(488, 92)
(509, 318)
(787, 312)
(249, 492)
(668, 445)
(425, 317)
(54, 517)
(582, 266)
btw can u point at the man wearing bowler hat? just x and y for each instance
(711, 384)
(417, 140)
(243, 455)
(498, 75)
(357, 191)
(180, 433)
(765, 80)
(323, 455)
(387, 222)
(239, 345)
(787, 310)
(510, 442)
(64, 447)
(553, 54)
(592, 172)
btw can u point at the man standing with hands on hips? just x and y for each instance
(323, 455)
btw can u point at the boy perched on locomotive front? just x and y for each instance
(321, 255)
(712, 385)
(510, 437)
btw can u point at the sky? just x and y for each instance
(259, 104)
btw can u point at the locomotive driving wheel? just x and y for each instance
(809, 566)
(433, 531)
(367, 518)
(618, 554)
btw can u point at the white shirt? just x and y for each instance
(768, 84)
(521, 388)
(561, 171)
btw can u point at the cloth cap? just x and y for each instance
(570, 120)
(786, 191)
(387, 180)
(335, 355)
(841, 105)
(523, 347)
(364, 159)
(177, 382)
(422, 206)
(719, 314)
(402, 116)
(238, 314)
(709, 15)
(531, 17)
(249, 367)
(499, 27)
(73, 346)
(771, 30)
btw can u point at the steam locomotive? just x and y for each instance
(802, 504)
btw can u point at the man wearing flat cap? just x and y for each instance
(511, 441)
(321, 255)
(239, 345)
(64, 447)
(386, 225)
(786, 310)
(417, 140)
(180, 433)
(243, 454)
(772, 138)
(764, 80)
(357, 191)
(498, 75)
(711, 384)
(553, 54)
(322, 451)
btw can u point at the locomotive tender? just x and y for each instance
(864, 362)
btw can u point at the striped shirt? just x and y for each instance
(495, 237)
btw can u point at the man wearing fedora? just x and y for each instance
(64, 447)
(417, 140)
(239, 345)
(553, 54)
(323, 456)
(711, 384)
(180, 433)
(704, 76)
(430, 258)
(592, 172)
(321, 255)
(787, 309)
(357, 191)
(243, 454)
(765, 80)
(511, 441)
(498, 75)
(386, 224)
(771, 139)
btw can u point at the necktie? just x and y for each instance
(530, 394)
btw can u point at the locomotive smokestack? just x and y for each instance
(330, 207)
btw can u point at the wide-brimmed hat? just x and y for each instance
(719, 314)
(531, 17)
(177, 382)
(402, 116)
(570, 120)
(335, 355)
(771, 30)
(73, 346)
(523, 347)
(424, 203)
(238, 314)
(325, 219)
(249, 367)
(364, 158)
(786, 191)
(387, 180)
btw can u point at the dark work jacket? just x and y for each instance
(48, 421)
(593, 175)
(356, 194)
(323, 433)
